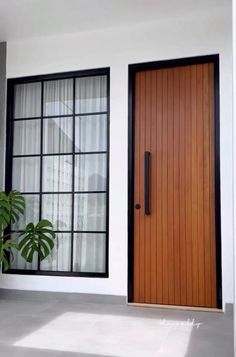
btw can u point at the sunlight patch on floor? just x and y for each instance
(112, 335)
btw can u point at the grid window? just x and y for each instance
(58, 130)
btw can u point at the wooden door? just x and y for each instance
(174, 168)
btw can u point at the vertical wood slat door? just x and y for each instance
(175, 245)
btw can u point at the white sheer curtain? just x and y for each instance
(27, 100)
(57, 170)
(57, 135)
(90, 174)
(59, 259)
(91, 133)
(23, 130)
(31, 212)
(58, 209)
(90, 212)
(57, 173)
(91, 94)
(26, 170)
(89, 252)
(26, 174)
(58, 97)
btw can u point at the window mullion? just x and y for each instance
(73, 178)
(41, 161)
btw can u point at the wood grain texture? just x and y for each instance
(175, 246)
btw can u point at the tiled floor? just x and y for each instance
(47, 325)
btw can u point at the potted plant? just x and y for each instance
(34, 238)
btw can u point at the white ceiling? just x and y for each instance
(35, 18)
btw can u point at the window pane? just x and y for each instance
(31, 212)
(57, 135)
(27, 100)
(58, 97)
(57, 173)
(27, 135)
(26, 174)
(60, 257)
(90, 212)
(91, 133)
(89, 253)
(91, 94)
(90, 172)
(58, 209)
(70, 134)
(18, 262)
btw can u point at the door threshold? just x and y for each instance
(176, 307)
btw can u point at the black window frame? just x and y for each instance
(9, 159)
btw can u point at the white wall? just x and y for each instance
(234, 156)
(116, 48)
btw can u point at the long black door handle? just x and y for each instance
(147, 156)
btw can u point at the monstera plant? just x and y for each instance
(33, 239)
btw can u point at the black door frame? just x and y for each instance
(133, 69)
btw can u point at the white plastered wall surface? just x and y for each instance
(234, 154)
(116, 48)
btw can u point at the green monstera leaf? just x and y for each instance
(6, 252)
(36, 238)
(11, 207)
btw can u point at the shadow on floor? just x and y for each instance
(215, 337)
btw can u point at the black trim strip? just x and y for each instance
(61, 116)
(41, 160)
(61, 154)
(73, 183)
(57, 273)
(65, 75)
(75, 231)
(217, 182)
(62, 192)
